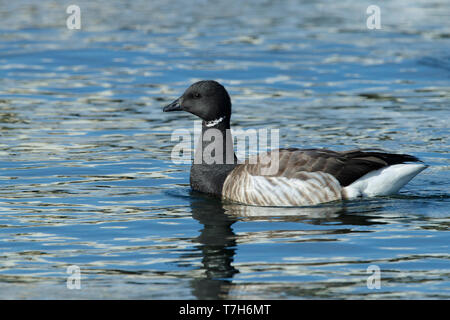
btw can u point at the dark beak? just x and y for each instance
(174, 106)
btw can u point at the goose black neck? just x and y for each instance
(216, 147)
(214, 158)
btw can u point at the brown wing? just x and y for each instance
(345, 166)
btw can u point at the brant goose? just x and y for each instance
(303, 176)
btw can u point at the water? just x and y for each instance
(85, 172)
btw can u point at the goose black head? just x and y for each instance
(207, 99)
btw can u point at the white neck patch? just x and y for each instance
(212, 123)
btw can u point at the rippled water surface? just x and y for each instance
(86, 176)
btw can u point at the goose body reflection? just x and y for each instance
(219, 244)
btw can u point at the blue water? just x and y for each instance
(86, 177)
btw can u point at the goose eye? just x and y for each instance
(197, 95)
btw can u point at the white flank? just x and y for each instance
(383, 182)
(318, 187)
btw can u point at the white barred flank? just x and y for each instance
(308, 188)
